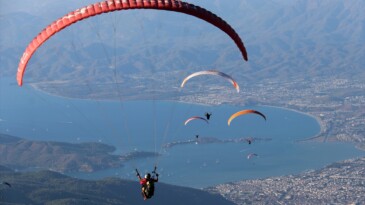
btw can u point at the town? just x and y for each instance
(339, 183)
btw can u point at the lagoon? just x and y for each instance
(148, 125)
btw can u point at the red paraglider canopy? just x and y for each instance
(115, 5)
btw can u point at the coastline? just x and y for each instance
(316, 118)
(321, 136)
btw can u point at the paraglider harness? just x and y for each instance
(148, 185)
(207, 115)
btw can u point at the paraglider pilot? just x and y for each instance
(7, 183)
(207, 115)
(148, 183)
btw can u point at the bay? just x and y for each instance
(148, 125)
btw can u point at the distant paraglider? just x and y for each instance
(212, 72)
(249, 140)
(243, 112)
(251, 155)
(196, 139)
(195, 118)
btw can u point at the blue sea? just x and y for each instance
(148, 125)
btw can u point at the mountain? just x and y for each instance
(59, 156)
(62, 157)
(304, 39)
(46, 187)
(285, 40)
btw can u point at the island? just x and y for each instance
(214, 140)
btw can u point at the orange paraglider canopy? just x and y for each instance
(243, 112)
